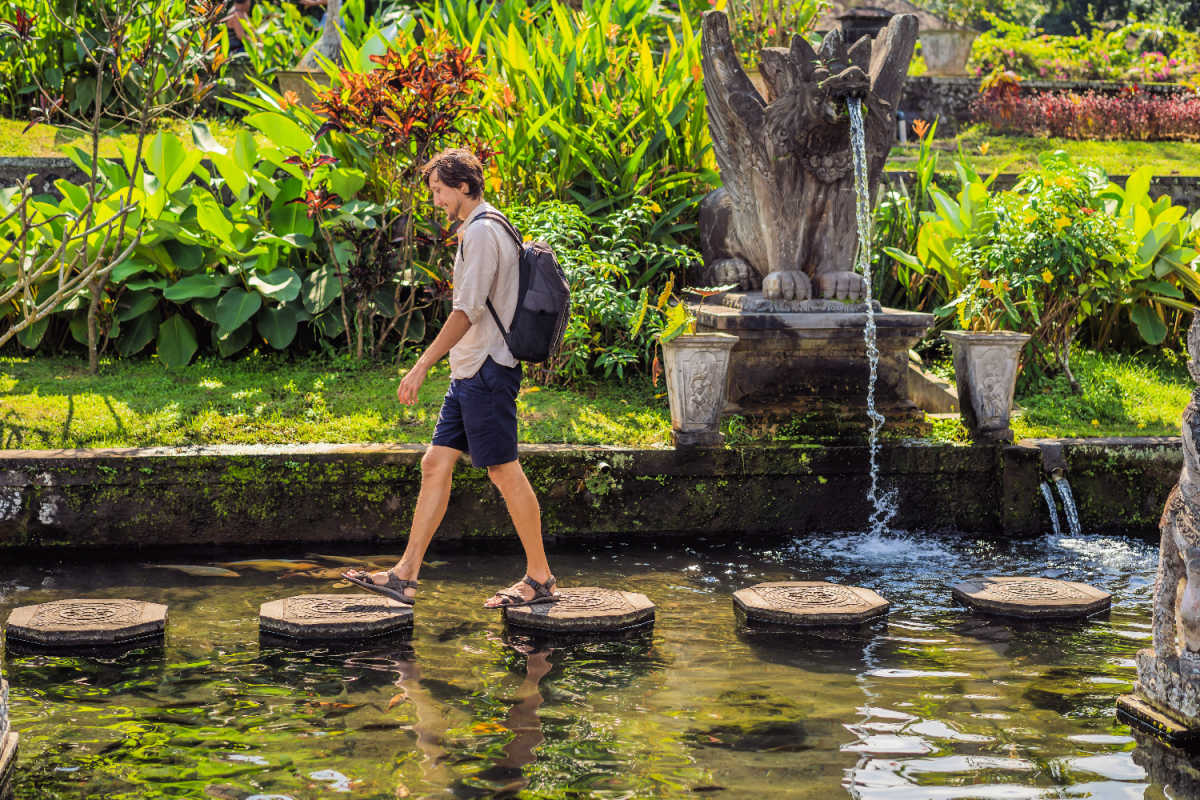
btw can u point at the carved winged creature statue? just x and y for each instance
(784, 218)
(330, 43)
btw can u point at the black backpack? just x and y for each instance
(543, 300)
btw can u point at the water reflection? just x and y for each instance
(933, 702)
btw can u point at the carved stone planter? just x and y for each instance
(946, 51)
(697, 369)
(985, 369)
(297, 81)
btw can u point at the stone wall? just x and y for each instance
(229, 495)
(45, 171)
(949, 99)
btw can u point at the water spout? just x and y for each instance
(1048, 494)
(1068, 501)
(883, 505)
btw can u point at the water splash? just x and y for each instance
(1048, 494)
(1068, 501)
(883, 504)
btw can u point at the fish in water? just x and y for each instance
(197, 570)
(269, 565)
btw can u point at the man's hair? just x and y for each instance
(455, 167)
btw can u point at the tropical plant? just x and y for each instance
(598, 105)
(756, 24)
(60, 257)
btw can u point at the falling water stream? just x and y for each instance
(1068, 501)
(883, 505)
(1048, 494)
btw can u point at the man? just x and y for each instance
(479, 412)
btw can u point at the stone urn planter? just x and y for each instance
(297, 81)
(985, 369)
(697, 370)
(946, 51)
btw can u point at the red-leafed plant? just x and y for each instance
(1131, 114)
(395, 118)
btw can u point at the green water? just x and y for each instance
(933, 703)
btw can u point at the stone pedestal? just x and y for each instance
(985, 370)
(585, 609)
(334, 617)
(809, 603)
(809, 361)
(1031, 597)
(86, 623)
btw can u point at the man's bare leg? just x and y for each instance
(437, 473)
(527, 519)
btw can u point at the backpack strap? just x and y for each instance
(515, 234)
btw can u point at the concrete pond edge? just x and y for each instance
(229, 495)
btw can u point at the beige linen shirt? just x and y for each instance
(485, 266)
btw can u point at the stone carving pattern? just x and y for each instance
(3, 708)
(1033, 589)
(785, 216)
(700, 401)
(809, 598)
(1177, 590)
(308, 608)
(89, 613)
(592, 600)
(995, 384)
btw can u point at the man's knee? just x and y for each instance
(506, 475)
(438, 462)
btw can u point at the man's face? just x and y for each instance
(451, 199)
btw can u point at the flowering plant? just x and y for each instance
(756, 24)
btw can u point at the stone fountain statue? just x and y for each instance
(784, 221)
(329, 44)
(1164, 710)
(784, 218)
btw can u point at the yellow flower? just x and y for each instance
(1061, 223)
(1029, 217)
(1047, 277)
(1095, 423)
(1065, 181)
(984, 147)
(527, 15)
(654, 207)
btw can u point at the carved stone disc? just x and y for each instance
(809, 603)
(87, 622)
(585, 609)
(334, 616)
(1031, 597)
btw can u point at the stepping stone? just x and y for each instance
(585, 609)
(1031, 598)
(8, 745)
(87, 623)
(809, 603)
(330, 617)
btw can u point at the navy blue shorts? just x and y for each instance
(479, 415)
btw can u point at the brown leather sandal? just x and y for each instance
(542, 593)
(394, 588)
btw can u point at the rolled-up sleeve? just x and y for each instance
(477, 271)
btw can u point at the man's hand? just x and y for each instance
(406, 392)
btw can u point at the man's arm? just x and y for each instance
(455, 327)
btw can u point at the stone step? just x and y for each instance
(334, 617)
(585, 609)
(809, 603)
(87, 622)
(1028, 597)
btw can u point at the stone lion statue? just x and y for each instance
(785, 217)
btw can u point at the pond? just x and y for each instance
(934, 702)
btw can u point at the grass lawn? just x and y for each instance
(48, 403)
(50, 141)
(989, 152)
